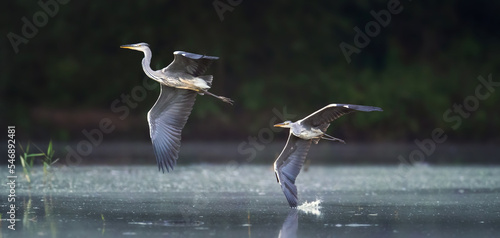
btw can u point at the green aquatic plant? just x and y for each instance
(103, 224)
(28, 159)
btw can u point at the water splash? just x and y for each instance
(311, 207)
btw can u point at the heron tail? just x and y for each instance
(208, 79)
(323, 127)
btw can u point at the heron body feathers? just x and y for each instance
(197, 84)
(306, 132)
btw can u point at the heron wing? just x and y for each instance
(331, 112)
(193, 64)
(288, 166)
(290, 225)
(166, 120)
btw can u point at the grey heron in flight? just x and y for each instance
(302, 132)
(180, 82)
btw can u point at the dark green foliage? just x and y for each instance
(272, 55)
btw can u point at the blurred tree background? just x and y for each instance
(273, 54)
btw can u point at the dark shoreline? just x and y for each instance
(140, 152)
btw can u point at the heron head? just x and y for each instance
(137, 46)
(286, 124)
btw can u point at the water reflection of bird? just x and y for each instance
(290, 225)
(310, 129)
(180, 82)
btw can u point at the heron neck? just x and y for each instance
(146, 65)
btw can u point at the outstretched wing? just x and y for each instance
(193, 64)
(166, 120)
(331, 112)
(288, 166)
(290, 225)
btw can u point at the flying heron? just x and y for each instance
(180, 82)
(302, 132)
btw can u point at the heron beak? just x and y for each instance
(127, 47)
(280, 125)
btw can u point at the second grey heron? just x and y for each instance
(180, 81)
(302, 132)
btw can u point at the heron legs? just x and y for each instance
(331, 138)
(224, 99)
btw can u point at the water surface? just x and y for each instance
(228, 201)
